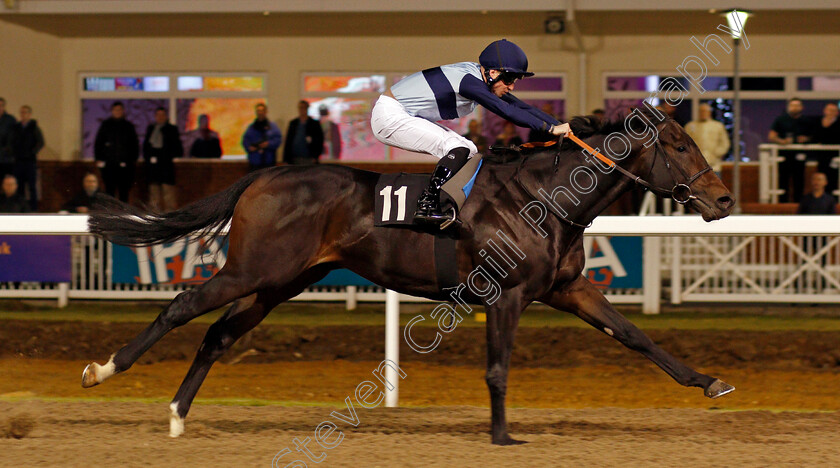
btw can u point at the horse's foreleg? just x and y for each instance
(216, 292)
(502, 320)
(587, 302)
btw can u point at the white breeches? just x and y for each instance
(393, 126)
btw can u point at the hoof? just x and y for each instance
(176, 423)
(718, 388)
(94, 374)
(89, 376)
(507, 440)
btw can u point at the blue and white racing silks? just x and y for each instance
(451, 91)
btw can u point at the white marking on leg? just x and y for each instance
(608, 331)
(95, 374)
(176, 423)
(106, 371)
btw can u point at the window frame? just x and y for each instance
(391, 77)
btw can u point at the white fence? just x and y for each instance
(740, 258)
(737, 259)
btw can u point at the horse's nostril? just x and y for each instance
(725, 202)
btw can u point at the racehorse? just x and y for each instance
(291, 225)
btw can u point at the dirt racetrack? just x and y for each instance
(129, 435)
(575, 395)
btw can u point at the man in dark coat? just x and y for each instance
(304, 138)
(261, 140)
(83, 201)
(160, 146)
(7, 159)
(207, 143)
(27, 142)
(10, 199)
(791, 128)
(116, 150)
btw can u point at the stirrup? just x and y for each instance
(450, 221)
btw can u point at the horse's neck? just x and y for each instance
(609, 186)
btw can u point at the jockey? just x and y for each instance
(405, 115)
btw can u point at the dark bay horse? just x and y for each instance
(289, 226)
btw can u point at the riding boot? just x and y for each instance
(428, 206)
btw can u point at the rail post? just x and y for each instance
(392, 346)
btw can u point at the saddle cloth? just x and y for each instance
(397, 194)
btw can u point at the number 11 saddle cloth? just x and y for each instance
(397, 194)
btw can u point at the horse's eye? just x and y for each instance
(682, 149)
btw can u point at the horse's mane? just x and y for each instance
(586, 126)
(583, 126)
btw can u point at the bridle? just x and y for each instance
(680, 192)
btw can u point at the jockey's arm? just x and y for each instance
(510, 98)
(516, 111)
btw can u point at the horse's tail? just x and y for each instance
(124, 224)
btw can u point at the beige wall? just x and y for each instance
(284, 58)
(30, 73)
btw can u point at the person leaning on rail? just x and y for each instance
(405, 115)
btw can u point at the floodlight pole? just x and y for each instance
(736, 130)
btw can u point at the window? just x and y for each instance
(227, 100)
(763, 98)
(349, 98)
(153, 84)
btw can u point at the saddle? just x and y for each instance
(397, 194)
(396, 202)
(506, 154)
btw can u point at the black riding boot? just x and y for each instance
(428, 206)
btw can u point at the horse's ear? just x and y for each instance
(585, 126)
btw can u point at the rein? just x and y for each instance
(680, 193)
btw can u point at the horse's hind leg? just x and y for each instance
(584, 300)
(216, 292)
(243, 316)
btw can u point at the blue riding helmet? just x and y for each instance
(506, 57)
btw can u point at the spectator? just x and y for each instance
(7, 158)
(475, 136)
(710, 137)
(160, 146)
(116, 150)
(509, 136)
(82, 202)
(332, 135)
(818, 201)
(827, 132)
(10, 200)
(304, 138)
(600, 114)
(27, 142)
(261, 140)
(207, 143)
(789, 128)
(539, 135)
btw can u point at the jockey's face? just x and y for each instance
(500, 87)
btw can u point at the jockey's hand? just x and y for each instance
(560, 130)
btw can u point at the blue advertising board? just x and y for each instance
(191, 263)
(613, 262)
(45, 259)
